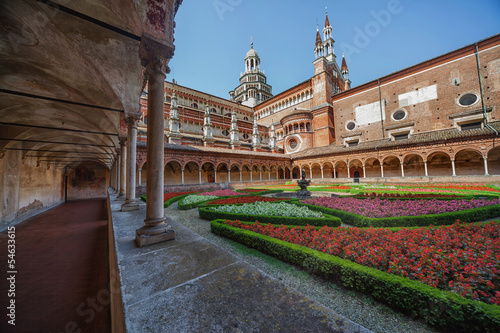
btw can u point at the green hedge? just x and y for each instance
(171, 200)
(470, 215)
(261, 193)
(209, 214)
(446, 310)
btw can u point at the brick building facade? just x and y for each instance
(438, 118)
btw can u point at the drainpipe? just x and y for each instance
(481, 88)
(381, 112)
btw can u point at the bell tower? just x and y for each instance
(253, 88)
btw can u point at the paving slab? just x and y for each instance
(191, 285)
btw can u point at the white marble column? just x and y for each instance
(486, 166)
(402, 170)
(199, 175)
(260, 174)
(453, 167)
(130, 202)
(322, 173)
(240, 176)
(139, 171)
(364, 171)
(182, 176)
(334, 173)
(310, 173)
(382, 170)
(215, 175)
(425, 167)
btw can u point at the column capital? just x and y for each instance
(123, 141)
(155, 55)
(132, 119)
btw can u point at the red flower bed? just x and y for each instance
(249, 190)
(405, 196)
(238, 200)
(462, 258)
(168, 196)
(340, 187)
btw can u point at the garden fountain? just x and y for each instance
(303, 183)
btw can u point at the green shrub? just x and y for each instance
(445, 310)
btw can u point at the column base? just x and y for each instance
(147, 236)
(129, 206)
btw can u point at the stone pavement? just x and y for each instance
(191, 285)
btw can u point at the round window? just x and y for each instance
(350, 125)
(398, 115)
(293, 144)
(467, 99)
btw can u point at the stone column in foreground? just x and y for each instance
(154, 57)
(130, 203)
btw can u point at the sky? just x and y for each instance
(378, 37)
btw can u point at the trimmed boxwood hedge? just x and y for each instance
(171, 200)
(209, 214)
(261, 193)
(470, 215)
(443, 309)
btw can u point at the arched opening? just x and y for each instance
(372, 167)
(172, 174)
(281, 172)
(307, 171)
(222, 173)
(392, 167)
(494, 161)
(191, 173)
(341, 169)
(296, 173)
(469, 162)
(356, 166)
(414, 166)
(274, 172)
(207, 173)
(245, 173)
(255, 173)
(234, 175)
(328, 170)
(265, 172)
(316, 171)
(439, 164)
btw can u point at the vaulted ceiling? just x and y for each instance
(70, 72)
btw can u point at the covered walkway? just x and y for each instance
(61, 260)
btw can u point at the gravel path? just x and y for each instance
(353, 305)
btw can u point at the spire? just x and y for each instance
(344, 65)
(255, 135)
(234, 132)
(207, 125)
(318, 37)
(327, 23)
(272, 139)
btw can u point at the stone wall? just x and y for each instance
(27, 189)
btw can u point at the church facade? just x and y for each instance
(438, 118)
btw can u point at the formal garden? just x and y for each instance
(431, 251)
